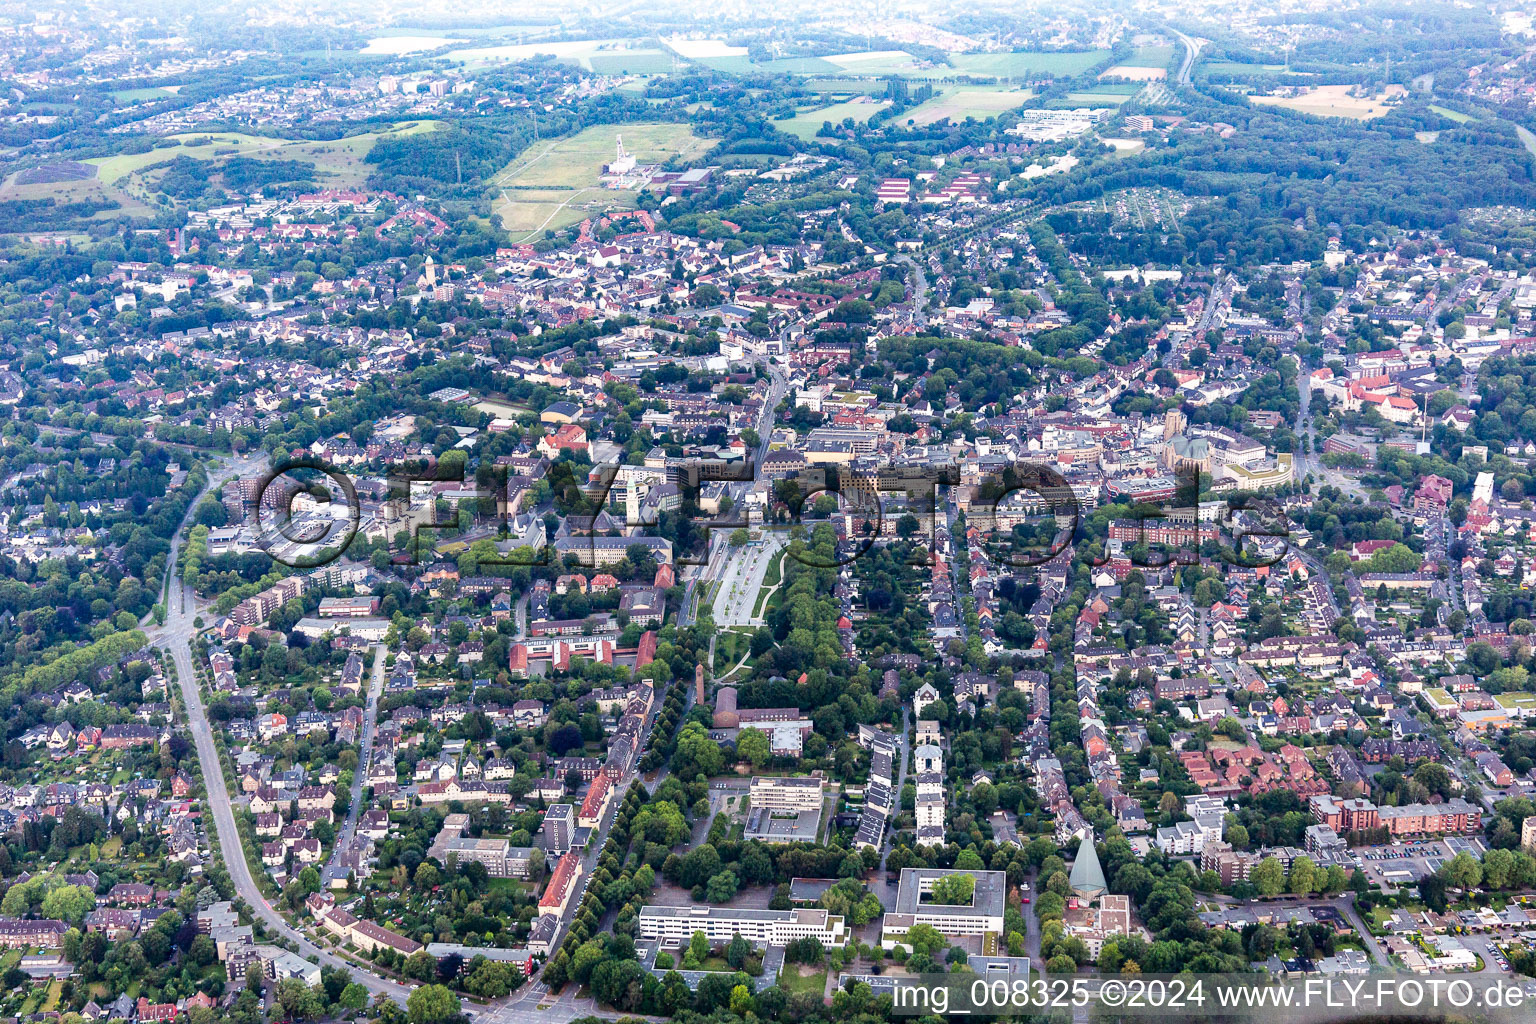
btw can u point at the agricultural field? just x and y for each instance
(556, 183)
(1145, 64)
(1150, 57)
(876, 62)
(806, 124)
(1232, 67)
(837, 86)
(399, 46)
(803, 66)
(1026, 64)
(700, 49)
(1334, 101)
(959, 102)
(870, 63)
(1104, 95)
(574, 51)
(741, 65)
(627, 62)
(1135, 73)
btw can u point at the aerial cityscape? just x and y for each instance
(522, 514)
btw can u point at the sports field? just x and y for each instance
(556, 182)
(958, 102)
(1334, 101)
(807, 123)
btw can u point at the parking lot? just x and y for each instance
(1405, 863)
(741, 572)
(750, 898)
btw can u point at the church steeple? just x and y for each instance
(1087, 876)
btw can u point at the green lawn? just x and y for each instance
(576, 161)
(139, 95)
(1454, 115)
(775, 571)
(792, 980)
(1528, 138)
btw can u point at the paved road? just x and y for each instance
(370, 717)
(903, 751)
(1191, 51)
(1346, 907)
(1311, 462)
(176, 636)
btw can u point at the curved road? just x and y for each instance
(1191, 51)
(176, 636)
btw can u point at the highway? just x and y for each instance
(1191, 51)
